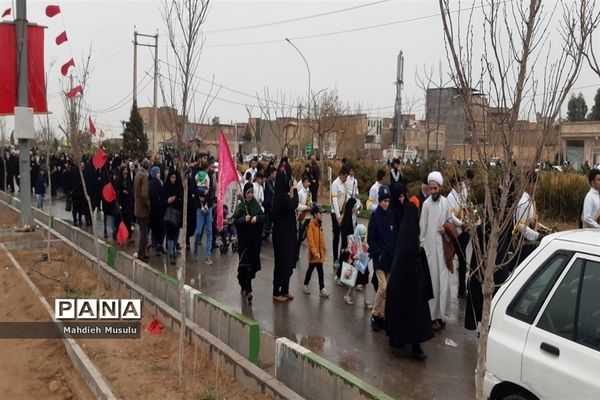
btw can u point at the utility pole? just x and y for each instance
(154, 115)
(135, 43)
(398, 103)
(23, 101)
(154, 106)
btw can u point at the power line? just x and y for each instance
(121, 102)
(286, 21)
(363, 28)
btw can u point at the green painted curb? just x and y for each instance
(254, 343)
(254, 337)
(111, 256)
(363, 387)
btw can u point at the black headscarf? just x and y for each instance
(282, 184)
(173, 189)
(248, 186)
(397, 207)
(347, 227)
(408, 231)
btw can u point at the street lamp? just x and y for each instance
(308, 98)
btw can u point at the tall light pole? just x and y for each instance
(308, 98)
(398, 104)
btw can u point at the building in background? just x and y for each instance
(580, 142)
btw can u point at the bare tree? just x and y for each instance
(46, 138)
(80, 144)
(516, 53)
(275, 110)
(184, 20)
(325, 113)
(591, 52)
(254, 127)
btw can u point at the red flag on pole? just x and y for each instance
(101, 133)
(92, 129)
(64, 70)
(99, 159)
(60, 39)
(122, 234)
(8, 69)
(108, 193)
(73, 92)
(6, 13)
(226, 176)
(51, 11)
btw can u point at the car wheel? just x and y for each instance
(517, 396)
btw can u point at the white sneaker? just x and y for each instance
(359, 288)
(306, 290)
(368, 306)
(337, 280)
(323, 293)
(348, 300)
(208, 261)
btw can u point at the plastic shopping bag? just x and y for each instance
(349, 274)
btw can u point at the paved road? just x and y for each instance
(339, 332)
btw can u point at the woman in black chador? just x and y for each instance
(249, 218)
(407, 316)
(285, 203)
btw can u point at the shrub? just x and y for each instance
(559, 196)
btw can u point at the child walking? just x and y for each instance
(316, 250)
(357, 254)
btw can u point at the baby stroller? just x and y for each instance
(227, 235)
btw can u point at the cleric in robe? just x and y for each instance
(435, 212)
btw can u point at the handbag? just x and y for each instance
(68, 203)
(349, 274)
(172, 216)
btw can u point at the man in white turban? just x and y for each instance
(435, 212)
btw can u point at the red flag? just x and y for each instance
(101, 133)
(73, 92)
(60, 39)
(122, 234)
(155, 327)
(6, 12)
(51, 11)
(108, 193)
(92, 129)
(8, 69)
(64, 70)
(99, 159)
(226, 176)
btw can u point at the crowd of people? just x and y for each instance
(406, 250)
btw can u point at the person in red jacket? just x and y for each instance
(316, 250)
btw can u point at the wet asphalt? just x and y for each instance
(331, 328)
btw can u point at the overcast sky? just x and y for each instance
(360, 64)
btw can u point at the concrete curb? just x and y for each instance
(314, 377)
(84, 366)
(195, 297)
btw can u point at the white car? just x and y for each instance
(544, 340)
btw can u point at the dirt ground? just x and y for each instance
(144, 368)
(34, 368)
